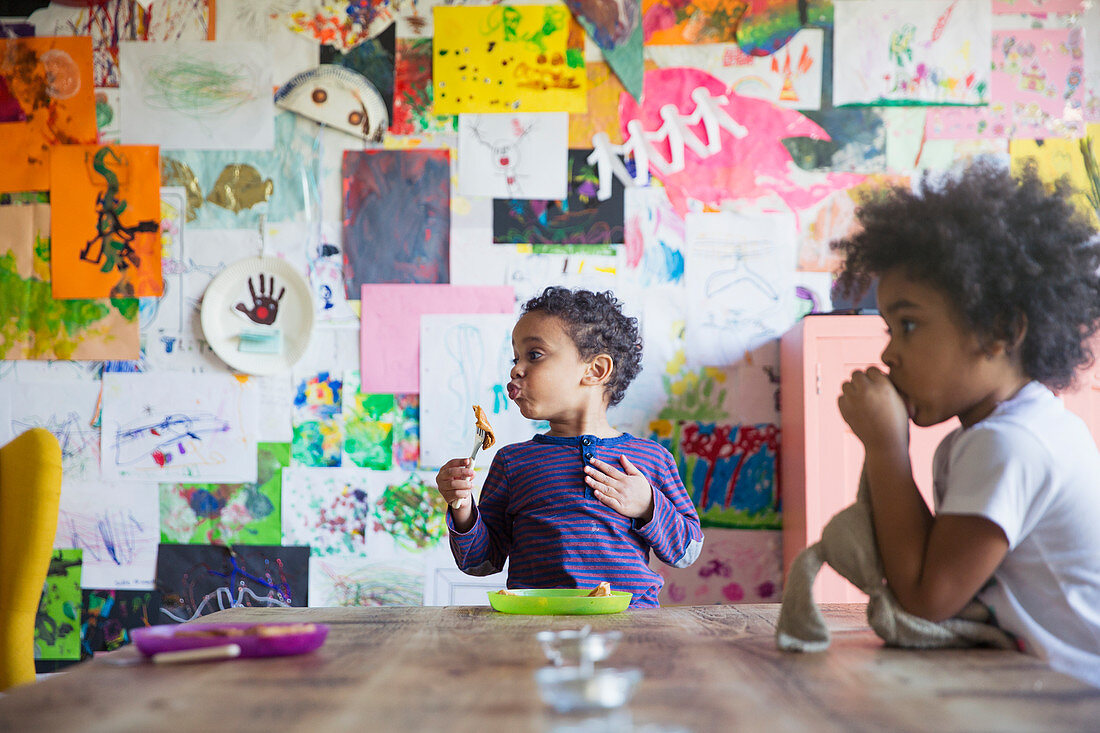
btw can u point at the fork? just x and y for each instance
(479, 436)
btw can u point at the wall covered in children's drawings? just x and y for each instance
(419, 169)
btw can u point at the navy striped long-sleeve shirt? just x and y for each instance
(537, 511)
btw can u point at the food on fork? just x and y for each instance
(483, 425)
(601, 590)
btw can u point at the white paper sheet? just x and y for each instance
(513, 156)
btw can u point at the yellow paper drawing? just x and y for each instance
(1055, 158)
(508, 58)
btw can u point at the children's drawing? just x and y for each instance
(580, 218)
(669, 22)
(196, 580)
(318, 428)
(51, 99)
(1037, 6)
(519, 156)
(736, 566)
(465, 361)
(164, 316)
(726, 166)
(105, 222)
(1077, 160)
(228, 514)
(182, 427)
(197, 94)
(111, 21)
(109, 616)
(117, 528)
(738, 279)
(602, 114)
(336, 581)
(329, 510)
(616, 27)
(406, 431)
(654, 237)
(933, 52)
(344, 24)
(67, 408)
(413, 112)
(390, 354)
(789, 77)
(729, 470)
(57, 622)
(507, 58)
(1037, 90)
(396, 216)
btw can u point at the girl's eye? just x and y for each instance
(534, 356)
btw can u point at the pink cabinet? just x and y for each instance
(820, 457)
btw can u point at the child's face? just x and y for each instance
(936, 364)
(546, 376)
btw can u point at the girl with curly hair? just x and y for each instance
(583, 503)
(989, 289)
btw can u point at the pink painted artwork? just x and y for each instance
(390, 320)
(736, 566)
(1037, 90)
(1038, 6)
(754, 166)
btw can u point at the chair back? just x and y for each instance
(30, 494)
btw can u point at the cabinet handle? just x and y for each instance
(817, 377)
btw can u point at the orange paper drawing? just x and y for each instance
(50, 81)
(106, 212)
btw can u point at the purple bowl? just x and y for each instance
(152, 640)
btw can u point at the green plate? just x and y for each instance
(552, 601)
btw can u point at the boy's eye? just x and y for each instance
(534, 355)
(907, 326)
(515, 361)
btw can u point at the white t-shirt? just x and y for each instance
(1033, 468)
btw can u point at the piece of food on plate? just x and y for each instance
(483, 424)
(601, 590)
(506, 592)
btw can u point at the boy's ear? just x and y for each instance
(599, 369)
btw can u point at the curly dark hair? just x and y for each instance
(597, 325)
(999, 247)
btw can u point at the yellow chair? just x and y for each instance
(30, 492)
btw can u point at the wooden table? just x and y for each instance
(707, 668)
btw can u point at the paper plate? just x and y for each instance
(222, 322)
(152, 640)
(564, 601)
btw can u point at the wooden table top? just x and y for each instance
(706, 668)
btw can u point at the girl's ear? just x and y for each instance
(1013, 332)
(599, 369)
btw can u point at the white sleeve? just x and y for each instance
(996, 474)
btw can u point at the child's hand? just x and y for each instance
(456, 481)
(627, 491)
(874, 410)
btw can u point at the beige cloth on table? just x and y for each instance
(848, 545)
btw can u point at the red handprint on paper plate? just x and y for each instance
(265, 308)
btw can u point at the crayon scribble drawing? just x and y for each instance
(105, 221)
(116, 526)
(197, 94)
(931, 52)
(196, 580)
(49, 81)
(57, 622)
(67, 408)
(185, 427)
(740, 292)
(519, 156)
(336, 581)
(736, 566)
(228, 514)
(396, 217)
(507, 58)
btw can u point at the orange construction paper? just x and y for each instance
(52, 80)
(105, 203)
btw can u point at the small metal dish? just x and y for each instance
(571, 689)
